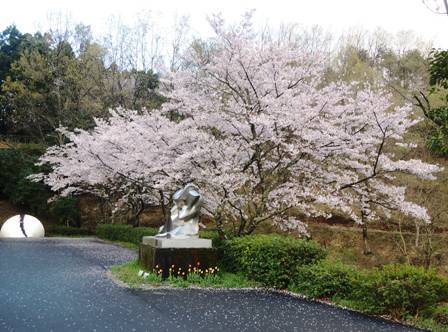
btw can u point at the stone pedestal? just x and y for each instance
(182, 253)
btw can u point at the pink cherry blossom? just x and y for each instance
(257, 128)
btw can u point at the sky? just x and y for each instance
(335, 16)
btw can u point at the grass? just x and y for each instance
(128, 274)
(345, 244)
(430, 324)
(421, 322)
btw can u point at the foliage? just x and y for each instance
(10, 47)
(270, 259)
(15, 166)
(128, 273)
(61, 230)
(50, 88)
(11, 44)
(50, 80)
(214, 236)
(28, 195)
(400, 290)
(438, 138)
(65, 211)
(438, 68)
(429, 324)
(373, 60)
(437, 116)
(260, 133)
(326, 279)
(31, 197)
(125, 233)
(130, 234)
(440, 314)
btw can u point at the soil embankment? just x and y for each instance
(6, 211)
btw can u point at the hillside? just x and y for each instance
(7, 210)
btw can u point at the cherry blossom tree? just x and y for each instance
(254, 124)
(282, 139)
(437, 6)
(133, 160)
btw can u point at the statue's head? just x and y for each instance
(188, 196)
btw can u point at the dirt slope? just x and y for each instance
(6, 211)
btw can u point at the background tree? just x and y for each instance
(11, 45)
(438, 93)
(52, 88)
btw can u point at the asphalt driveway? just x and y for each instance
(58, 284)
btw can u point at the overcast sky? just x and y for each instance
(337, 16)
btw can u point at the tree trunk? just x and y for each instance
(166, 215)
(403, 246)
(219, 226)
(365, 237)
(417, 235)
(136, 216)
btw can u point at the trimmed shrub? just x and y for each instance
(214, 236)
(401, 290)
(272, 260)
(128, 233)
(211, 235)
(125, 233)
(68, 231)
(326, 279)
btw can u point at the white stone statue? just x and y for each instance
(185, 214)
(22, 225)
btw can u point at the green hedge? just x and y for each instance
(128, 233)
(272, 260)
(401, 290)
(326, 279)
(68, 231)
(125, 233)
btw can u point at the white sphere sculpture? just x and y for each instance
(17, 227)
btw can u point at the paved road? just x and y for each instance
(62, 285)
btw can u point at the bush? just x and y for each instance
(401, 290)
(16, 164)
(211, 235)
(326, 279)
(68, 231)
(65, 211)
(30, 196)
(125, 233)
(214, 236)
(270, 259)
